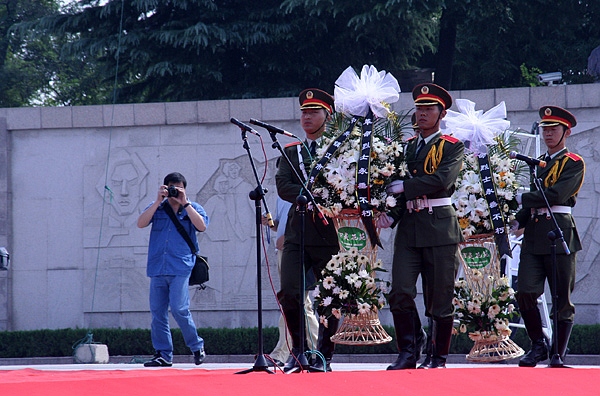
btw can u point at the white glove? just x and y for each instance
(384, 221)
(395, 187)
(514, 226)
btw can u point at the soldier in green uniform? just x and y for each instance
(561, 178)
(320, 241)
(428, 233)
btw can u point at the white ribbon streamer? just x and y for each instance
(354, 96)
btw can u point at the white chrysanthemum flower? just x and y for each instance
(336, 312)
(493, 311)
(390, 201)
(364, 308)
(323, 320)
(344, 294)
(328, 282)
(327, 301)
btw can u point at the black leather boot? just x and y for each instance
(420, 337)
(428, 346)
(296, 362)
(404, 326)
(325, 345)
(539, 345)
(563, 335)
(441, 336)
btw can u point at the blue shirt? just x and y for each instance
(168, 253)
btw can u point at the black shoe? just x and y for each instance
(538, 353)
(199, 357)
(158, 361)
(434, 362)
(318, 366)
(296, 362)
(404, 361)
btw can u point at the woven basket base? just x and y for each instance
(361, 329)
(494, 351)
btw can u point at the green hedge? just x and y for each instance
(585, 339)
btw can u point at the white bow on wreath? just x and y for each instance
(354, 95)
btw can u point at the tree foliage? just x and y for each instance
(128, 51)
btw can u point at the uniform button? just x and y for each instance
(415, 172)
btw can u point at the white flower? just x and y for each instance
(364, 308)
(327, 301)
(337, 313)
(328, 282)
(323, 320)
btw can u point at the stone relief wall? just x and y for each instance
(77, 178)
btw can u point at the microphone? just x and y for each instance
(244, 126)
(528, 160)
(271, 128)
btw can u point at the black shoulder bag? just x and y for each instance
(199, 275)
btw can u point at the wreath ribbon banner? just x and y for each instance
(487, 182)
(363, 180)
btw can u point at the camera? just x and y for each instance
(550, 78)
(172, 191)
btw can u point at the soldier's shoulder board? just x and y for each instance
(411, 138)
(573, 156)
(449, 138)
(292, 144)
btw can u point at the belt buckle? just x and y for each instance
(419, 203)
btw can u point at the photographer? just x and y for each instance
(170, 263)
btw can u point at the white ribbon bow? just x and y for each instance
(354, 96)
(476, 126)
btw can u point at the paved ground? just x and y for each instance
(243, 362)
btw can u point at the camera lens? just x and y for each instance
(173, 192)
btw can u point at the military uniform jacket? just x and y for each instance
(433, 174)
(288, 188)
(561, 178)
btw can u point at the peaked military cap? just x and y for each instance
(554, 115)
(313, 98)
(429, 94)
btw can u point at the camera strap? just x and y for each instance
(167, 208)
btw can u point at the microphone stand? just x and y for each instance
(258, 194)
(301, 200)
(556, 360)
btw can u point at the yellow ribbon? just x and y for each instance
(433, 159)
(554, 172)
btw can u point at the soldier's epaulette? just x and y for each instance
(449, 138)
(573, 156)
(411, 138)
(293, 144)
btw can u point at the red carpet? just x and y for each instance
(455, 381)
